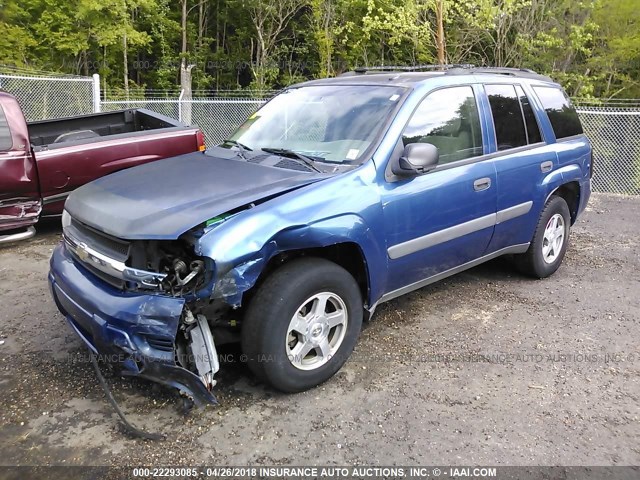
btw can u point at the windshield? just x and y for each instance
(331, 123)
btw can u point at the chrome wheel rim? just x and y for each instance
(316, 331)
(553, 240)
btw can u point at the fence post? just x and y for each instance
(180, 105)
(96, 93)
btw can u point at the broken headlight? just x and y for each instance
(182, 271)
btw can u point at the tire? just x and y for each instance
(549, 242)
(295, 354)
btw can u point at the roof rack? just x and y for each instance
(511, 72)
(451, 69)
(405, 68)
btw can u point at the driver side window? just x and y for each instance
(449, 120)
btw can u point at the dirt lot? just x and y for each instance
(486, 368)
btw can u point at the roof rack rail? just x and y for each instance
(512, 72)
(451, 69)
(406, 68)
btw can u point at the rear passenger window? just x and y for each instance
(533, 130)
(5, 134)
(507, 116)
(563, 117)
(448, 119)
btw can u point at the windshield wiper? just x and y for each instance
(283, 152)
(241, 147)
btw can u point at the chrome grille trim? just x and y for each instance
(112, 247)
(109, 266)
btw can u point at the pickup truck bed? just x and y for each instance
(50, 133)
(42, 162)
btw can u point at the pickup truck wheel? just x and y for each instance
(302, 324)
(549, 242)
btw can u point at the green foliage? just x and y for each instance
(591, 46)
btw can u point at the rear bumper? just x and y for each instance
(135, 333)
(25, 234)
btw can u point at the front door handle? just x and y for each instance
(481, 184)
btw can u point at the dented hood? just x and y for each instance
(163, 199)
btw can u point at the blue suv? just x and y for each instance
(337, 195)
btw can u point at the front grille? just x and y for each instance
(160, 343)
(110, 246)
(113, 281)
(79, 236)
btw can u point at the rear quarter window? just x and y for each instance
(5, 134)
(562, 115)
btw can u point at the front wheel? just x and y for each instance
(302, 324)
(549, 242)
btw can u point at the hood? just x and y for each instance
(163, 199)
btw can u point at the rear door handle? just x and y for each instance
(481, 184)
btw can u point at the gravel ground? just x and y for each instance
(485, 368)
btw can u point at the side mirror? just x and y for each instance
(417, 158)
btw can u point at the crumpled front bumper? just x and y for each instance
(134, 332)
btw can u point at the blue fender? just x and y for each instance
(559, 177)
(235, 277)
(551, 182)
(348, 228)
(242, 246)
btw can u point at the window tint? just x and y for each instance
(5, 134)
(507, 116)
(533, 130)
(448, 119)
(563, 117)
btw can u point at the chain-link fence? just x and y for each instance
(614, 132)
(217, 117)
(614, 128)
(43, 97)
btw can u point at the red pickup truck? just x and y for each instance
(42, 162)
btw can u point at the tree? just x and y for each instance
(270, 20)
(616, 50)
(591, 46)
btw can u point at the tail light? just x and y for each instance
(200, 141)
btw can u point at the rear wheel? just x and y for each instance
(549, 242)
(302, 324)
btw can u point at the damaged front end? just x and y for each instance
(195, 348)
(157, 316)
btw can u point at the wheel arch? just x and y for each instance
(345, 240)
(570, 192)
(347, 254)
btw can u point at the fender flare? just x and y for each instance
(348, 228)
(558, 178)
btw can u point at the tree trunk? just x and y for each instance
(186, 94)
(125, 65)
(440, 41)
(202, 22)
(183, 50)
(185, 72)
(328, 39)
(85, 56)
